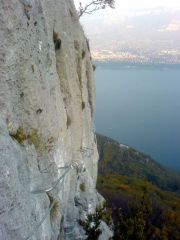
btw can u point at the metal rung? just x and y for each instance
(45, 190)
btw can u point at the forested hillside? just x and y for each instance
(142, 194)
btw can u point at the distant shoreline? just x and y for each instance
(129, 65)
(127, 147)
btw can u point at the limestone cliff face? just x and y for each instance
(48, 155)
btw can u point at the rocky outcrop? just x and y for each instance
(48, 155)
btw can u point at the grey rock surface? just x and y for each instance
(47, 103)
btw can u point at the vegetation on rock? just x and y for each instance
(55, 208)
(93, 220)
(82, 187)
(20, 135)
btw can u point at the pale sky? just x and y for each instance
(129, 8)
(126, 9)
(155, 22)
(130, 4)
(146, 3)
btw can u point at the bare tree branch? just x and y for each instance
(94, 5)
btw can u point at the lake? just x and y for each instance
(140, 107)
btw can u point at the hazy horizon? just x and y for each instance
(135, 30)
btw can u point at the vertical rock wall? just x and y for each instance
(46, 121)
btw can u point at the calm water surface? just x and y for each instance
(141, 108)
